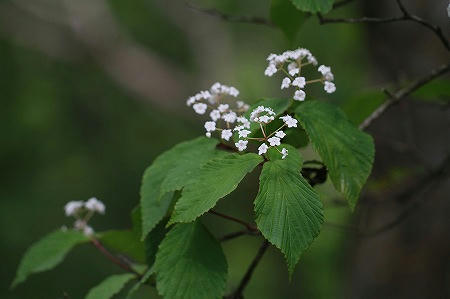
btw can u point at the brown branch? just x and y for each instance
(248, 274)
(122, 264)
(406, 16)
(394, 98)
(249, 226)
(230, 18)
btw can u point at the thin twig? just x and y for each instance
(248, 274)
(249, 226)
(230, 18)
(394, 98)
(406, 16)
(122, 264)
(240, 233)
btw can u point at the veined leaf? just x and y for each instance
(168, 173)
(288, 211)
(314, 6)
(47, 253)
(347, 152)
(110, 286)
(285, 15)
(216, 179)
(190, 264)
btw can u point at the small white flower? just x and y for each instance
(95, 205)
(208, 134)
(294, 72)
(284, 153)
(229, 117)
(88, 231)
(190, 101)
(328, 76)
(72, 207)
(238, 128)
(215, 88)
(215, 115)
(270, 70)
(292, 65)
(241, 145)
(264, 119)
(200, 108)
(311, 59)
(244, 133)
(226, 134)
(262, 149)
(79, 224)
(329, 87)
(299, 82)
(289, 121)
(210, 126)
(233, 92)
(285, 83)
(324, 69)
(280, 134)
(244, 121)
(223, 107)
(299, 95)
(274, 141)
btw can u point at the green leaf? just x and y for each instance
(216, 179)
(314, 6)
(138, 284)
(284, 15)
(153, 240)
(47, 253)
(125, 242)
(190, 264)
(288, 211)
(347, 152)
(168, 173)
(110, 286)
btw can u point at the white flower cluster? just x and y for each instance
(220, 111)
(263, 116)
(83, 211)
(291, 63)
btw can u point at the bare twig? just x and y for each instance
(230, 18)
(249, 226)
(394, 98)
(121, 263)
(248, 274)
(406, 16)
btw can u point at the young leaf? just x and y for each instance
(314, 6)
(110, 286)
(216, 179)
(47, 253)
(125, 242)
(287, 17)
(190, 264)
(347, 152)
(167, 173)
(288, 211)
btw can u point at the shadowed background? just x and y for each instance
(93, 91)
